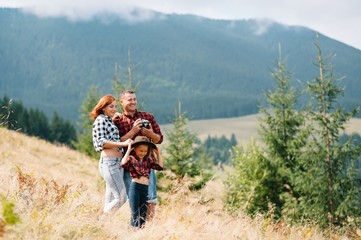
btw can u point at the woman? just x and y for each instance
(138, 164)
(106, 140)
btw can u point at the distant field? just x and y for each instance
(244, 128)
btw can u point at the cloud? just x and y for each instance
(262, 26)
(338, 19)
(86, 10)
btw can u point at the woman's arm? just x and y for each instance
(111, 144)
(101, 137)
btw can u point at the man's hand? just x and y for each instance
(137, 126)
(117, 114)
(148, 132)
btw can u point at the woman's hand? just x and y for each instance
(126, 143)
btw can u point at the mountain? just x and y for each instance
(216, 68)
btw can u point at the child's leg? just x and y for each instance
(143, 205)
(137, 199)
(134, 204)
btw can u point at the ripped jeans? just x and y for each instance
(112, 172)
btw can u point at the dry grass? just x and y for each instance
(58, 194)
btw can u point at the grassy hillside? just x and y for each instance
(58, 194)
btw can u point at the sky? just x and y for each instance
(339, 20)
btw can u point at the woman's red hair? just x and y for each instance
(103, 102)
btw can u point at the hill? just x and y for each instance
(217, 68)
(58, 194)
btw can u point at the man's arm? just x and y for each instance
(126, 131)
(154, 131)
(151, 134)
(130, 134)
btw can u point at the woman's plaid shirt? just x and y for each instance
(104, 130)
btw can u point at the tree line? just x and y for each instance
(33, 122)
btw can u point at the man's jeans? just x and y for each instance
(152, 188)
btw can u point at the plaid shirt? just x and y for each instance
(139, 168)
(125, 123)
(104, 130)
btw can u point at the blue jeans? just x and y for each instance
(152, 188)
(138, 204)
(112, 172)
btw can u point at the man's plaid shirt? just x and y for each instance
(125, 123)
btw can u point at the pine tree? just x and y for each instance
(118, 86)
(329, 190)
(62, 131)
(38, 124)
(269, 173)
(181, 158)
(85, 138)
(6, 112)
(180, 149)
(245, 185)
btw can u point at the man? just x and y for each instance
(132, 123)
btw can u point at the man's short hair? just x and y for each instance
(126, 91)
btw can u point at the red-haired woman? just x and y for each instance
(106, 140)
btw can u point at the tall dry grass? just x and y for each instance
(58, 194)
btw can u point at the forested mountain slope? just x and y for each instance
(217, 68)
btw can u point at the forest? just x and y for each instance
(217, 68)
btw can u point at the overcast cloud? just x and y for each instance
(340, 20)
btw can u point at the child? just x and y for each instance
(138, 163)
